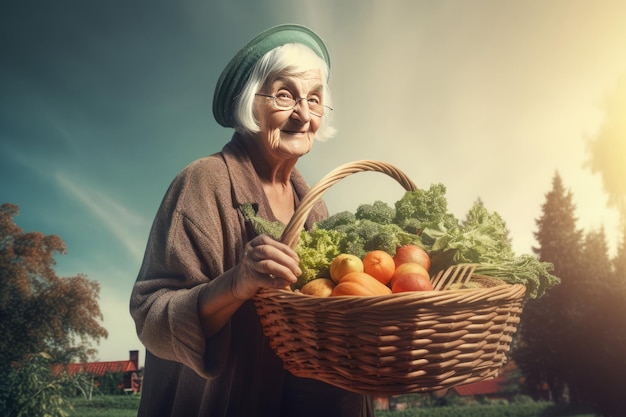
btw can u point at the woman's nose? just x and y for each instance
(302, 109)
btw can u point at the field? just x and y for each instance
(126, 406)
(106, 406)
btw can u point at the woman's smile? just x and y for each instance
(289, 132)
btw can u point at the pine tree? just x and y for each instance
(588, 314)
(619, 262)
(543, 339)
(602, 372)
(607, 150)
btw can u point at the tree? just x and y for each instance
(40, 311)
(599, 363)
(587, 312)
(574, 338)
(607, 157)
(543, 339)
(619, 262)
(32, 390)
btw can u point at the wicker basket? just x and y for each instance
(390, 344)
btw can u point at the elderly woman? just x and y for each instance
(204, 262)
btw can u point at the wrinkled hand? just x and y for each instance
(266, 263)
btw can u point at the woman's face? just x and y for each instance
(289, 133)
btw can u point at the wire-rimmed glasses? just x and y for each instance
(286, 102)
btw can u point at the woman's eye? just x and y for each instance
(314, 100)
(283, 94)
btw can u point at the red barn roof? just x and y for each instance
(96, 368)
(100, 368)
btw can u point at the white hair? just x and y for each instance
(291, 59)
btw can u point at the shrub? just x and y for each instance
(30, 389)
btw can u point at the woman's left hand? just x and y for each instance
(266, 263)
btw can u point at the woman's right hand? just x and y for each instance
(266, 263)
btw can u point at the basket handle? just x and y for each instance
(292, 230)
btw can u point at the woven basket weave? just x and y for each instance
(389, 344)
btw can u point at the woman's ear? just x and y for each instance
(255, 111)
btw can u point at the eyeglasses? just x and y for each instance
(286, 102)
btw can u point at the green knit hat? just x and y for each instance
(238, 70)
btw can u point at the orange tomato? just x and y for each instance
(380, 265)
(407, 268)
(411, 281)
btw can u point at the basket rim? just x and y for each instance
(495, 293)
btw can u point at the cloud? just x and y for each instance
(122, 222)
(114, 305)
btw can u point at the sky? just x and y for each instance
(103, 103)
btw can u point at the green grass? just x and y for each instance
(495, 410)
(106, 406)
(127, 405)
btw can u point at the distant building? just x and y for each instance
(129, 368)
(492, 388)
(489, 388)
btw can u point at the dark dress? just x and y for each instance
(199, 233)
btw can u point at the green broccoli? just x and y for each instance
(428, 206)
(365, 235)
(413, 226)
(379, 212)
(421, 209)
(353, 247)
(388, 238)
(385, 239)
(338, 219)
(356, 234)
(260, 225)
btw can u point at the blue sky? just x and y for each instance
(102, 103)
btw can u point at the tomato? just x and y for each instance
(408, 268)
(380, 265)
(412, 253)
(411, 281)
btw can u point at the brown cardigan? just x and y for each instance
(199, 233)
